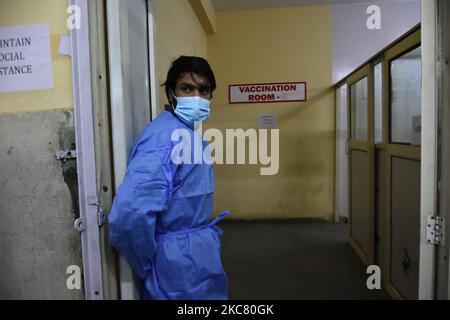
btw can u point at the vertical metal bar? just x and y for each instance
(429, 182)
(81, 73)
(445, 151)
(337, 160)
(120, 102)
(152, 60)
(100, 107)
(442, 289)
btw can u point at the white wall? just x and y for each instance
(354, 43)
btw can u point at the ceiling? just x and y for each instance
(225, 5)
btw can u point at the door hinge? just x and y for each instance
(435, 230)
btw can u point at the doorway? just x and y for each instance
(384, 108)
(132, 94)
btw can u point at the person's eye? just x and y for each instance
(187, 89)
(205, 91)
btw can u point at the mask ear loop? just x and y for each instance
(173, 99)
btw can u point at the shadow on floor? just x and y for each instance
(292, 260)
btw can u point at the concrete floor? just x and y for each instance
(292, 260)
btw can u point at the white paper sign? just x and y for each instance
(65, 47)
(267, 92)
(268, 121)
(25, 58)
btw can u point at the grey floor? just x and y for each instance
(292, 260)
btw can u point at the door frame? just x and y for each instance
(120, 99)
(102, 138)
(341, 159)
(427, 258)
(87, 224)
(429, 179)
(394, 150)
(443, 267)
(366, 146)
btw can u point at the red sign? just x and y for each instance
(267, 92)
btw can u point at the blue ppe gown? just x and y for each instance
(160, 219)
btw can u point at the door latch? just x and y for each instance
(101, 214)
(66, 154)
(101, 217)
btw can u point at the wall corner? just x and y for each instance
(204, 10)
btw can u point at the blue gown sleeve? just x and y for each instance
(145, 191)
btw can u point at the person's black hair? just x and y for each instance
(185, 64)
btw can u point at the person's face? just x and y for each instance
(192, 84)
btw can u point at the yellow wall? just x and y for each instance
(268, 45)
(277, 45)
(53, 12)
(178, 32)
(204, 10)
